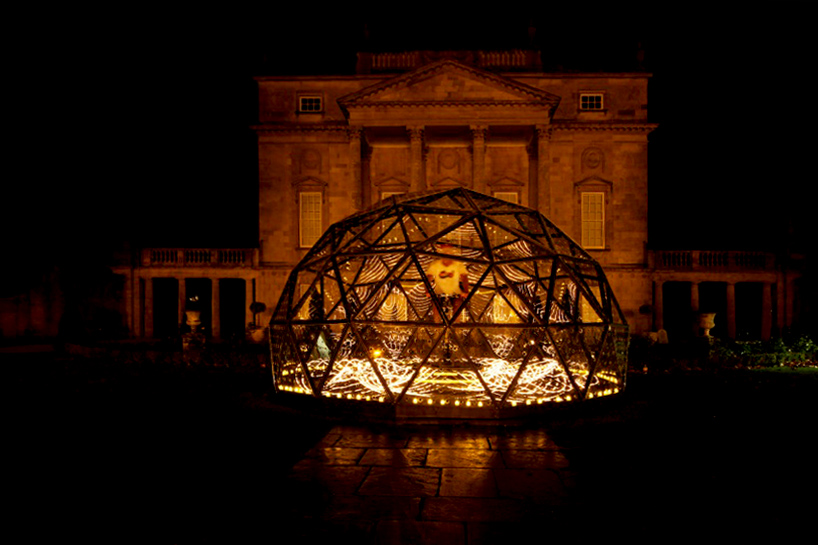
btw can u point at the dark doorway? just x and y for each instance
(676, 310)
(165, 307)
(232, 298)
(713, 298)
(748, 310)
(199, 294)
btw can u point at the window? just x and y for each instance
(509, 196)
(590, 101)
(310, 226)
(310, 103)
(593, 220)
(387, 194)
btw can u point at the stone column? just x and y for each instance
(249, 289)
(182, 302)
(731, 310)
(478, 133)
(138, 307)
(543, 174)
(658, 305)
(533, 175)
(128, 296)
(416, 166)
(694, 306)
(215, 323)
(766, 311)
(355, 134)
(148, 307)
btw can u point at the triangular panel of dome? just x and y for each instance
(447, 201)
(281, 346)
(542, 379)
(392, 237)
(355, 375)
(571, 351)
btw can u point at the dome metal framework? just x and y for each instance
(449, 300)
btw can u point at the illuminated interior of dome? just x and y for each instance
(450, 298)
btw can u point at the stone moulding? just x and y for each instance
(441, 303)
(614, 127)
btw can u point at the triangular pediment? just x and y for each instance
(504, 182)
(449, 83)
(446, 183)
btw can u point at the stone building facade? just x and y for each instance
(572, 145)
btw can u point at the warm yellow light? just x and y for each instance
(377, 352)
(457, 402)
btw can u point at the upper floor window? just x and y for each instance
(591, 101)
(593, 220)
(310, 226)
(312, 103)
(387, 194)
(509, 196)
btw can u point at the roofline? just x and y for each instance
(510, 75)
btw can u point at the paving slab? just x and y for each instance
(467, 482)
(449, 439)
(363, 437)
(465, 457)
(534, 459)
(335, 455)
(524, 439)
(403, 457)
(400, 481)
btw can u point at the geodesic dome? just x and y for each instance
(452, 300)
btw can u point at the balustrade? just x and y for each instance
(713, 260)
(198, 257)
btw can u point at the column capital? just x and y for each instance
(544, 132)
(355, 132)
(478, 132)
(415, 132)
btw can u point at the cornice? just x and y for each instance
(284, 129)
(613, 127)
(452, 104)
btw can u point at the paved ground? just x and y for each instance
(433, 485)
(101, 452)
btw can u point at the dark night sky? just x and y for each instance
(138, 129)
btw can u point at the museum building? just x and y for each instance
(573, 146)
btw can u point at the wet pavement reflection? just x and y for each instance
(429, 485)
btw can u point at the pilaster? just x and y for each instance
(543, 174)
(479, 157)
(355, 134)
(731, 310)
(416, 168)
(215, 322)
